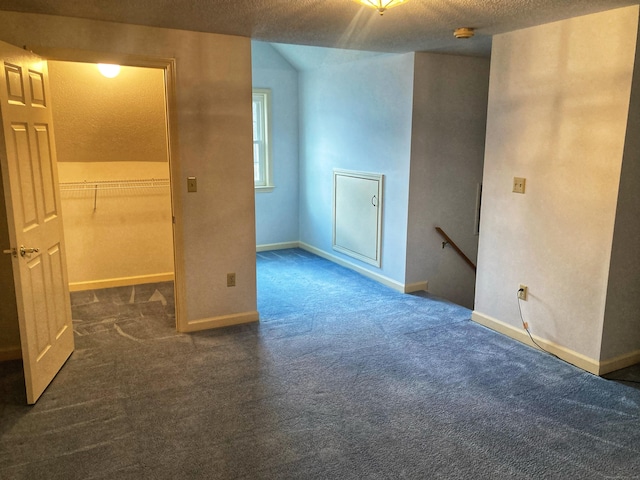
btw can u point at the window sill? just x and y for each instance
(264, 189)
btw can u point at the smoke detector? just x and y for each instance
(464, 32)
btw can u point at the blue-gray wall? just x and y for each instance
(449, 124)
(277, 211)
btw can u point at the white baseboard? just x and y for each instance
(623, 361)
(574, 358)
(276, 246)
(403, 288)
(10, 353)
(416, 287)
(121, 282)
(362, 271)
(222, 321)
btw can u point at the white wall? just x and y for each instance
(216, 225)
(277, 210)
(357, 116)
(558, 105)
(447, 154)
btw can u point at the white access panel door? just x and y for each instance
(357, 215)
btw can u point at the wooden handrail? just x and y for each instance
(455, 247)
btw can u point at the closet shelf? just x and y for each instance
(114, 184)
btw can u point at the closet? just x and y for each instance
(111, 139)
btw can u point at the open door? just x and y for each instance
(30, 181)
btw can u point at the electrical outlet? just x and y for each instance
(231, 279)
(523, 291)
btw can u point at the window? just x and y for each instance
(262, 177)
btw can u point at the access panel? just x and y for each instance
(357, 214)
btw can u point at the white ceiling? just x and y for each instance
(419, 25)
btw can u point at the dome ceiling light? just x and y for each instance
(109, 70)
(464, 32)
(381, 5)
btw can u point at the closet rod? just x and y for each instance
(114, 184)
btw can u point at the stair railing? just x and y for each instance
(448, 241)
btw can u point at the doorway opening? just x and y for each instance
(114, 177)
(34, 211)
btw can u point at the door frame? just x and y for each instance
(169, 67)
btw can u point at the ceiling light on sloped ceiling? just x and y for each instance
(382, 5)
(464, 32)
(109, 70)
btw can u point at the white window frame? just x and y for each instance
(263, 167)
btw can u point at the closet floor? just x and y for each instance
(137, 312)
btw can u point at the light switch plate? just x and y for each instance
(518, 184)
(192, 184)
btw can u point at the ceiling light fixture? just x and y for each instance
(381, 5)
(109, 70)
(464, 32)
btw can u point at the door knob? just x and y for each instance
(24, 250)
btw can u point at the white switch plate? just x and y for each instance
(192, 184)
(518, 184)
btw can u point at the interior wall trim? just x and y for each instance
(169, 66)
(218, 322)
(416, 287)
(10, 353)
(277, 246)
(121, 282)
(579, 360)
(400, 287)
(623, 361)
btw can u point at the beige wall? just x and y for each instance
(558, 104)
(212, 112)
(127, 239)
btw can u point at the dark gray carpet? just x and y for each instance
(342, 379)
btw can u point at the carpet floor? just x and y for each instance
(343, 378)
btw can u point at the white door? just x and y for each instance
(30, 180)
(357, 216)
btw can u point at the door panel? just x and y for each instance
(24, 170)
(48, 185)
(59, 305)
(15, 88)
(357, 202)
(37, 320)
(356, 216)
(36, 82)
(29, 175)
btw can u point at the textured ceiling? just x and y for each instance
(419, 25)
